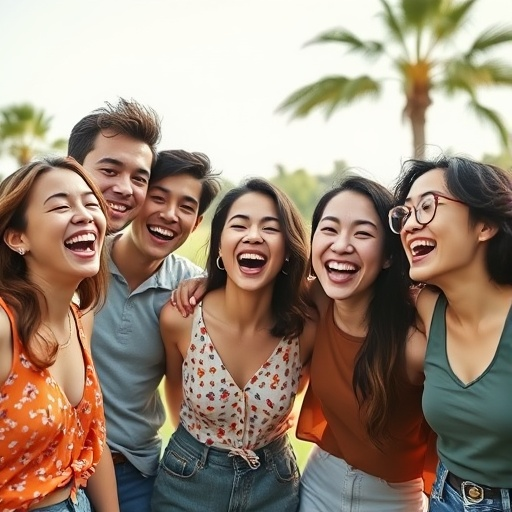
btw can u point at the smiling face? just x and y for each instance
(252, 244)
(348, 247)
(65, 228)
(446, 244)
(168, 216)
(121, 166)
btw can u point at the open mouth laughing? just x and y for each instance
(84, 242)
(251, 260)
(161, 233)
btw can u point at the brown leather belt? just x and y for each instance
(474, 493)
(118, 458)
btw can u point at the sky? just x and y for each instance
(216, 70)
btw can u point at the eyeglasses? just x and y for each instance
(424, 212)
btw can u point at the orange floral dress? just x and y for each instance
(45, 442)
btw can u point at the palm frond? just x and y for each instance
(464, 75)
(490, 38)
(393, 24)
(450, 19)
(353, 43)
(493, 118)
(330, 93)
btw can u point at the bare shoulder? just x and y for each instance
(415, 350)
(174, 328)
(425, 304)
(6, 349)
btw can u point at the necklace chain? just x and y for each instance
(68, 341)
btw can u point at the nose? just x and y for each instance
(342, 244)
(170, 214)
(253, 235)
(82, 215)
(123, 185)
(411, 222)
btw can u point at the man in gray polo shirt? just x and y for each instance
(126, 345)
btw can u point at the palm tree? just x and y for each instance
(23, 128)
(420, 35)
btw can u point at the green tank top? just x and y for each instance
(473, 421)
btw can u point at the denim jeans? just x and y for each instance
(134, 490)
(82, 505)
(200, 478)
(329, 484)
(445, 498)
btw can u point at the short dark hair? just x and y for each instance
(289, 305)
(126, 117)
(173, 162)
(486, 189)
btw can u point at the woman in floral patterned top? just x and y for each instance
(52, 434)
(233, 368)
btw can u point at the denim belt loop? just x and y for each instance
(204, 456)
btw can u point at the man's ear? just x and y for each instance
(198, 221)
(15, 240)
(486, 231)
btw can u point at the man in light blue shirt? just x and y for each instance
(126, 345)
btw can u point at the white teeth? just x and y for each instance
(117, 207)
(161, 231)
(421, 243)
(85, 237)
(336, 265)
(251, 256)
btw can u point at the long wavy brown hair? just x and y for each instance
(23, 296)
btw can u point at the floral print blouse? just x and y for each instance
(45, 442)
(218, 413)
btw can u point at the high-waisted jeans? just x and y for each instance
(194, 476)
(329, 484)
(445, 498)
(82, 505)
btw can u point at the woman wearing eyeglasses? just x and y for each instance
(455, 223)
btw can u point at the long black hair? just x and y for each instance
(380, 362)
(288, 298)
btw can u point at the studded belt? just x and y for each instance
(474, 493)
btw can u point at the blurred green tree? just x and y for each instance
(23, 132)
(422, 51)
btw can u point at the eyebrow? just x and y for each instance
(421, 196)
(65, 195)
(246, 217)
(119, 163)
(361, 222)
(168, 191)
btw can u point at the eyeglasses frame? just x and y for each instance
(436, 196)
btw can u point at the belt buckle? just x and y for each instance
(472, 493)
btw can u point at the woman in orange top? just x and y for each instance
(367, 366)
(52, 434)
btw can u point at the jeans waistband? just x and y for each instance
(227, 456)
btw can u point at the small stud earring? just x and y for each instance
(21, 251)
